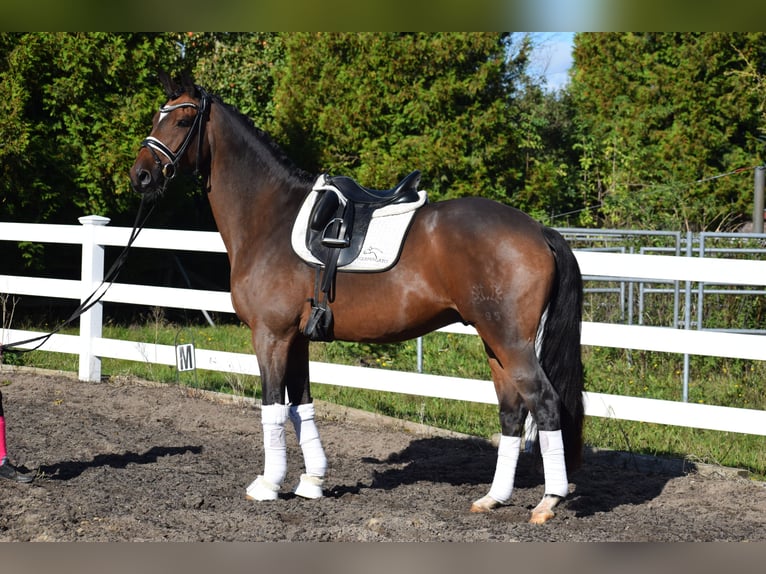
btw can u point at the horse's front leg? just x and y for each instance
(284, 367)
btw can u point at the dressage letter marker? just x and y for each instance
(185, 358)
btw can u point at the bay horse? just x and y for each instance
(469, 260)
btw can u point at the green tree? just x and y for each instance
(73, 108)
(549, 178)
(239, 67)
(376, 106)
(658, 115)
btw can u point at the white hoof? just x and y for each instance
(261, 489)
(309, 487)
(543, 512)
(484, 504)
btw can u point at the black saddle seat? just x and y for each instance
(405, 192)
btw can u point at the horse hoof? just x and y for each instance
(261, 489)
(485, 504)
(543, 512)
(541, 516)
(309, 487)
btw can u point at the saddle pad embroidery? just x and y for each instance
(382, 244)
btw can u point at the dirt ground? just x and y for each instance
(129, 461)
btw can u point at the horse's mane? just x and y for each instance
(265, 139)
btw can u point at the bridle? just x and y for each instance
(168, 171)
(154, 145)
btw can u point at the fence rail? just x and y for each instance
(93, 235)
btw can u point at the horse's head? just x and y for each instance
(168, 147)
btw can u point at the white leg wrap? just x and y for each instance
(273, 419)
(554, 467)
(310, 485)
(315, 460)
(505, 471)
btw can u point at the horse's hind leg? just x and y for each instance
(512, 415)
(544, 403)
(556, 482)
(521, 384)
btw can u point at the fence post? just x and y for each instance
(92, 274)
(687, 316)
(758, 211)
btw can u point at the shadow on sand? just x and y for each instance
(605, 480)
(69, 469)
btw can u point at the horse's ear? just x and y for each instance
(188, 83)
(167, 83)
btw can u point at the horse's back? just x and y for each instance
(472, 260)
(481, 231)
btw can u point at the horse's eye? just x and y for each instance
(184, 123)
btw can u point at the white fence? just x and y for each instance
(93, 235)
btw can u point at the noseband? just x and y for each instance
(154, 145)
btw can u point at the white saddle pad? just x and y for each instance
(384, 239)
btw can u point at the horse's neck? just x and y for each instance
(249, 217)
(253, 210)
(254, 198)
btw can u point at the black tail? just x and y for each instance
(561, 358)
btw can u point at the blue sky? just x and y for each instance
(552, 57)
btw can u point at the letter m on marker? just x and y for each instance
(185, 359)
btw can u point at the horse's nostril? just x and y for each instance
(144, 177)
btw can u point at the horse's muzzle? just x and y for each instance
(147, 182)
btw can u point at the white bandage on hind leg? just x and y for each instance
(273, 419)
(314, 458)
(554, 467)
(505, 471)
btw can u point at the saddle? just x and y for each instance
(343, 225)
